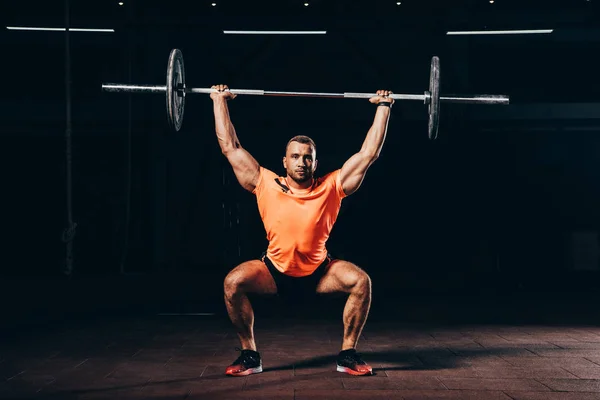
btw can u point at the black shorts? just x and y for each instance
(297, 287)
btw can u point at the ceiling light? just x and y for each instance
(491, 1)
(398, 3)
(213, 4)
(509, 32)
(28, 28)
(120, 3)
(305, 4)
(275, 32)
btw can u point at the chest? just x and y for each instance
(289, 208)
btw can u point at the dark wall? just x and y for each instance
(497, 195)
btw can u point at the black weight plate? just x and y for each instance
(175, 89)
(434, 100)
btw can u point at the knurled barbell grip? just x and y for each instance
(117, 87)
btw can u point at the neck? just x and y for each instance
(292, 184)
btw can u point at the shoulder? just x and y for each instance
(267, 173)
(333, 180)
(266, 178)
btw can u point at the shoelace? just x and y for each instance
(244, 358)
(352, 358)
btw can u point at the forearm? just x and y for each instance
(376, 134)
(226, 135)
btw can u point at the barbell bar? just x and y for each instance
(476, 99)
(176, 91)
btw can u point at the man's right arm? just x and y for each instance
(245, 167)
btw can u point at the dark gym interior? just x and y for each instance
(482, 245)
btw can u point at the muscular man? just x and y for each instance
(298, 212)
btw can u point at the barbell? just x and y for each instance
(176, 91)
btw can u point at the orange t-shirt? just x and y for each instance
(298, 221)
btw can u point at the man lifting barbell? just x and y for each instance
(298, 212)
(299, 261)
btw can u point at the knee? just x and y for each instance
(232, 284)
(363, 283)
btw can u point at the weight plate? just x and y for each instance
(175, 89)
(434, 98)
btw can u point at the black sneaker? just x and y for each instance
(349, 361)
(247, 363)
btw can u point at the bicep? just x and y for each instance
(353, 172)
(245, 168)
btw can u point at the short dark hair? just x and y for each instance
(301, 139)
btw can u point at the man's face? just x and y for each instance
(300, 162)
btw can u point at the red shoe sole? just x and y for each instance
(353, 372)
(249, 371)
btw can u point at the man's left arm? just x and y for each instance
(354, 170)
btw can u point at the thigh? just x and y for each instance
(251, 277)
(340, 277)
